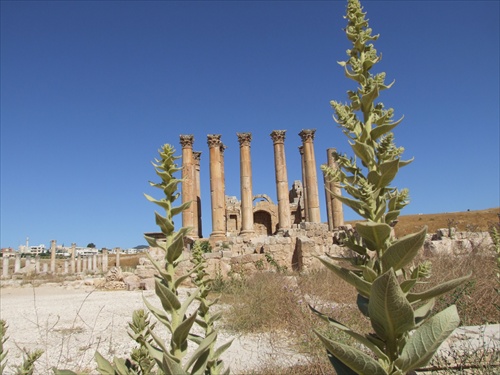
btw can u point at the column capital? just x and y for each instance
(278, 136)
(244, 138)
(213, 140)
(187, 140)
(307, 134)
(197, 156)
(222, 148)
(301, 150)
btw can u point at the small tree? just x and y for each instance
(382, 269)
(91, 245)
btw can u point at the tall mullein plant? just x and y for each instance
(170, 354)
(382, 269)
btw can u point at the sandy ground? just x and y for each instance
(70, 324)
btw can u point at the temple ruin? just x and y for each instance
(256, 215)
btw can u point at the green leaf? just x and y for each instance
(380, 130)
(104, 367)
(403, 251)
(203, 346)
(437, 290)
(120, 367)
(390, 312)
(355, 359)
(361, 285)
(424, 342)
(424, 311)
(407, 285)
(358, 337)
(61, 372)
(388, 171)
(180, 335)
(168, 299)
(374, 234)
(359, 207)
(364, 152)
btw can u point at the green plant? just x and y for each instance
(382, 269)
(171, 356)
(29, 358)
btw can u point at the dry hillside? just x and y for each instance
(474, 221)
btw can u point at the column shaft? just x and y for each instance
(246, 183)
(311, 175)
(216, 187)
(278, 137)
(188, 215)
(304, 184)
(197, 194)
(336, 205)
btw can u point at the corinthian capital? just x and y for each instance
(278, 136)
(244, 138)
(187, 140)
(307, 134)
(213, 140)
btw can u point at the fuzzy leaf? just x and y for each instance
(380, 130)
(390, 312)
(104, 367)
(358, 337)
(180, 335)
(424, 311)
(364, 152)
(437, 290)
(424, 342)
(168, 299)
(388, 171)
(374, 234)
(203, 347)
(403, 251)
(361, 285)
(355, 359)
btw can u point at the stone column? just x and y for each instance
(73, 253)
(89, 263)
(17, 263)
(94, 263)
(53, 256)
(5, 269)
(117, 259)
(188, 215)
(312, 195)
(278, 137)
(304, 184)
(197, 194)
(335, 206)
(27, 263)
(66, 266)
(223, 179)
(79, 264)
(246, 184)
(216, 187)
(104, 260)
(37, 264)
(45, 268)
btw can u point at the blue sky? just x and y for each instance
(90, 90)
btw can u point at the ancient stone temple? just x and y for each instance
(256, 215)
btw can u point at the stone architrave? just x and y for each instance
(278, 137)
(53, 256)
(5, 269)
(312, 195)
(336, 209)
(188, 215)
(17, 263)
(216, 187)
(73, 253)
(197, 193)
(246, 184)
(304, 184)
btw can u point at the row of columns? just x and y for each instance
(91, 263)
(191, 184)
